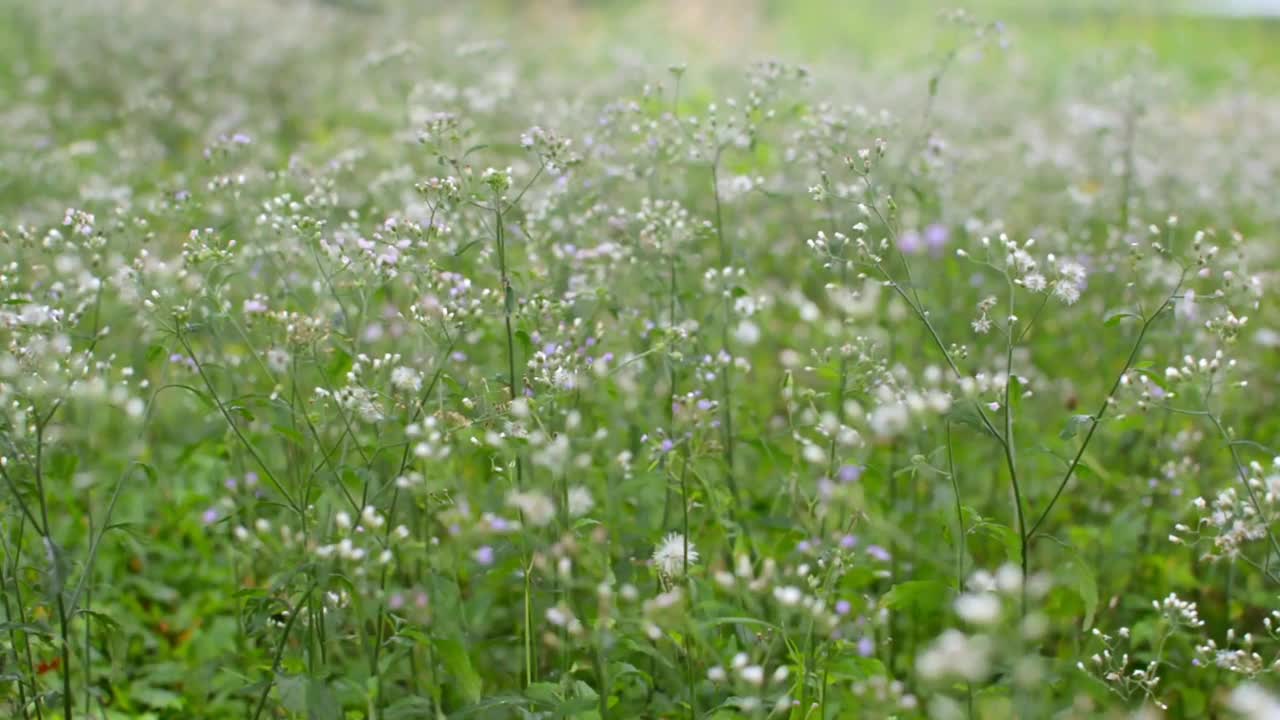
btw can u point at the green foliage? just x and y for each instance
(371, 360)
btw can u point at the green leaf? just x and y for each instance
(741, 621)
(293, 692)
(63, 465)
(307, 696)
(100, 618)
(923, 595)
(454, 656)
(339, 365)
(490, 704)
(322, 704)
(1194, 702)
(526, 342)
(578, 709)
(1074, 423)
(966, 413)
(154, 697)
(1005, 535)
(544, 692)
(1080, 577)
(26, 628)
(289, 434)
(1113, 317)
(56, 570)
(1015, 396)
(410, 708)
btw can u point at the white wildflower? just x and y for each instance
(669, 556)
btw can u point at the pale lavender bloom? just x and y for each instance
(866, 647)
(848, 542)
(850, 473)
(936, 237)
(878, 553)
(843, 607)
(910, 243)
(826, 489)
(483, 555)
(210, 516)
(396, 601)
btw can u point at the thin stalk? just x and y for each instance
(226, 415)
(528, 624)
(946, 354)
(22, 618)
(88, 638)
(13, 641)
(1130, 132)
(726, 383)
(688, 649)
(1097, 417)
(275, 664)
(508, 307)
(67, 701)
(1011, 455)
(390, 525)
(962, 537)
(1244, 476)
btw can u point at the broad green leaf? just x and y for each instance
(454, 656)
(1113, 317)
(1080, 576)
(1073, 426)
(921, 595)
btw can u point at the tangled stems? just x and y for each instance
(279, 656)
(1004, 442)
(226, 415)
(917, 308)
(726, 383)
(1241, 473)
(1106, 403)
(395, 496)
(13, 627)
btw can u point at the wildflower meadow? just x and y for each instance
(386, 360)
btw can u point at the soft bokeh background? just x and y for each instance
(1212, 40)
(327, 64)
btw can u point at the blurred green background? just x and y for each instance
(1212, 41)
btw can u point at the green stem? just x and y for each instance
(275, 664)
(1097, 417)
